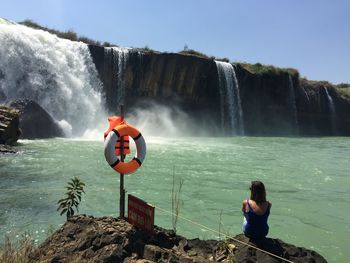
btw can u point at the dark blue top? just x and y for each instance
(255, 226)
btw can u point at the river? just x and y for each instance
(307, 181)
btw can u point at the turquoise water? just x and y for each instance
(307, 180)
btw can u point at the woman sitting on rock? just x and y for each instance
(256, 210)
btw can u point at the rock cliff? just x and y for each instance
(34, 121)
(135, 78)
(9, 126)
(87, 239)
(274, 101)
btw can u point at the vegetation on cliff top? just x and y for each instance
(70, 34)
(259, 68)
(342, 89)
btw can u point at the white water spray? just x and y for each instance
(332, 111)
(230, 98)
(292, 102)
(56, 73)
(121, 58)
(162, 121)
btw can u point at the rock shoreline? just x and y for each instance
(87, 239)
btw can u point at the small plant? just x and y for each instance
(75, 188)
(175, 200)
(228, 249)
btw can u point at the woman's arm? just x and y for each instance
(244, 205)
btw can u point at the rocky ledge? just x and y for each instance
(9, 129)
(87, 239)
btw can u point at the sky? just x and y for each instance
(312, 36)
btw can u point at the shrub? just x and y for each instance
(75, 188)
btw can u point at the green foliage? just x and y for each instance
(259, 68)
(17, 252)
(176, 202)
(75, 188)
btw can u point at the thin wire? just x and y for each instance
(195, 223)
(217, 232)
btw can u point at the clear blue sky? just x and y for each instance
(310, 35)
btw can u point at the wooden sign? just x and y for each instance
(140, 213)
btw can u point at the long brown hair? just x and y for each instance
(258, 193)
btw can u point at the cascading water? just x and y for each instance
(292, 103)
(120, 60)
(332, 111)
(56, 73)
(306, 94)
(230, 98)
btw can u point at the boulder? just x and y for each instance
(9, 125)
(35, 122)
(87, 239)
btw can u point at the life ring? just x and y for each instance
(109, 149)
(113, 122)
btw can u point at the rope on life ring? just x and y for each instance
(109, 149)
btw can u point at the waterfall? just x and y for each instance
(306, 94)
(292, 103)
(332, 111)
(56, 73)
(120, 61)
(231, 110)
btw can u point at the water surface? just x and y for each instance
(307, 180)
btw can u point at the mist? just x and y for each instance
(158, 120)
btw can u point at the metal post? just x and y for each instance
(122, 190)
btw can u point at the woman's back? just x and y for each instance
(256, 213)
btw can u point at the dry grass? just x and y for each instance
(17, 252)
(344, 93)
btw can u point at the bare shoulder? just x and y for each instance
(244, 202)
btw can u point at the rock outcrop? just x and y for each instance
(87, 239)
(9, 126)
(274, 102)
(34, 121)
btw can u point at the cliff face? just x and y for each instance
(322, 109)
(140, 78)
(268, 102)
(272, 103)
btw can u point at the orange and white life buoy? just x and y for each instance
(113, 122)
(109, 149)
